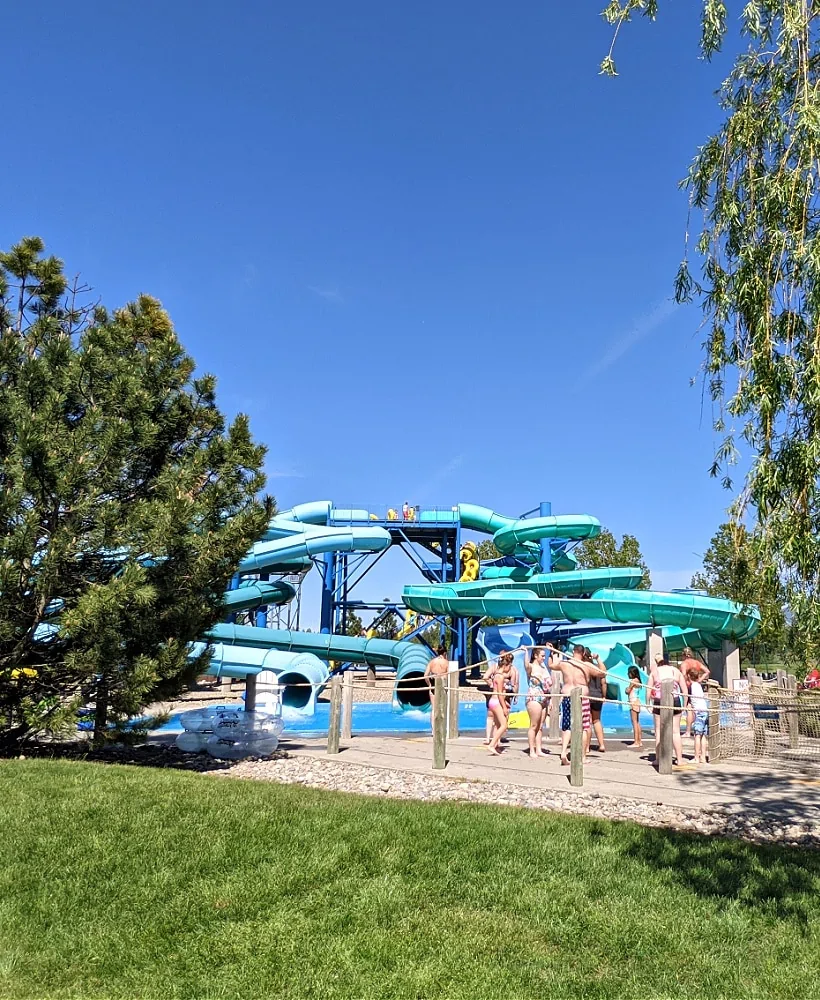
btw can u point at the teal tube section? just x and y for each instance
(300, 675)
(408, 659)
(300, 541)
(582, 581)
(689, 611)
(533, 529)
(256, 593)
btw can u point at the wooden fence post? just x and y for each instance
(335, 714)
(793, 716)
(714, 721)
(347, 704)
(453, 696)
(576, 743)
(439, 724)
(666, 720)
(555, 717)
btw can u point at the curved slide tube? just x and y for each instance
(521, 536)
(256, 593)
(710, 614)
(293, 671)
(408, 659)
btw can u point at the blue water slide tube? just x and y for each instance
(296, 541)
(512, 637)
(408, 659)
(712, 615)
(254, 593)
(300, 675)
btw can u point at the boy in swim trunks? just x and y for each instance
(575, 672)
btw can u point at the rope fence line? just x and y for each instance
(771, 723)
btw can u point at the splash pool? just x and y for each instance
(381, 719)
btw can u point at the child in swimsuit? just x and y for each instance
(633, 696)
(498, 705)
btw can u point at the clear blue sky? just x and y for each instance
(425, 246)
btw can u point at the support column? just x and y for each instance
(731, 663)
(544, 510)
(724, 663)
(654, 645)
(250, 693)
(326, 618)
(347, 705)
(261, 617)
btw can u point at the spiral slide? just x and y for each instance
(297, 658)
(600, 595)
(518, 589)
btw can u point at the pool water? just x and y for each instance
(380, 718)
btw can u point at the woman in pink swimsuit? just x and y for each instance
(498, 706)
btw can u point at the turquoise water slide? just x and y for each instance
(607, 595)
(255, 593)
(292, 538)
(688, 611)
(296, 536)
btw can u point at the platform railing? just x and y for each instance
(392, 514)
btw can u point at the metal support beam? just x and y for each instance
(326, 615)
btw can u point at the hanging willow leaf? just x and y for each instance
(756, 186)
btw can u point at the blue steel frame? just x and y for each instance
(340, 574)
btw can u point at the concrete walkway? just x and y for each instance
(788, 796)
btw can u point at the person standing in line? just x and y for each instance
(662, 670)
(488, 676)
(437, 667)
(633, 696)
(538, 689)
(691, 663)
(405, 511)
(700, 708)
(499, 704)
(575, 672)
(597, 695)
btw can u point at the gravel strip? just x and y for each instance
(330, 775)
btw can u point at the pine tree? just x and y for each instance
(125, 501)
(354, 624)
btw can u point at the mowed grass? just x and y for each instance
(129, 882)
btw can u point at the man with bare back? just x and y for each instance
(575, 672)
(437, 667)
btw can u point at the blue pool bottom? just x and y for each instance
(381, 719)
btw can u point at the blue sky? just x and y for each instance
(425, 246)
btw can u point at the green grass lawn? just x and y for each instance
(138, 883)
